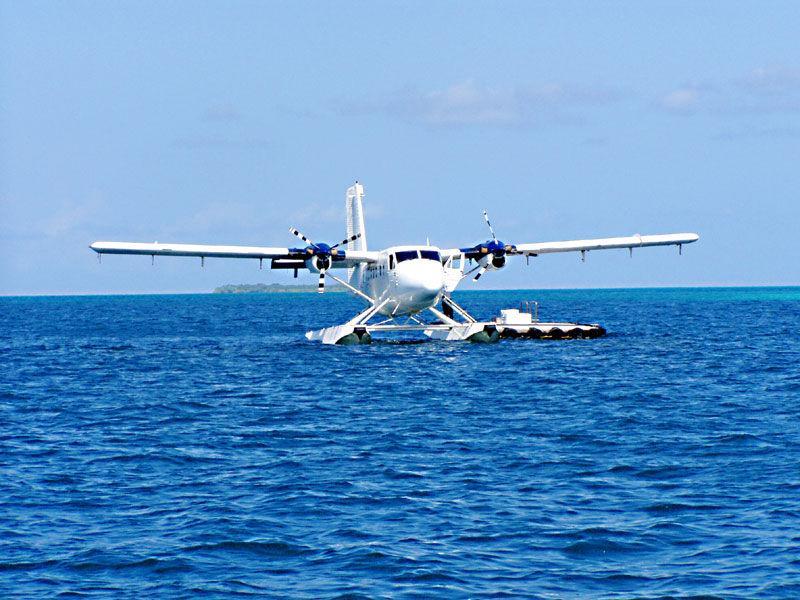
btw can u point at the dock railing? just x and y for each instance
(531, 307)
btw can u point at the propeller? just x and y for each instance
(490, 254)
(489, 224)
(482, 270)
(320, 255)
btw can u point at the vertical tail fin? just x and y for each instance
(355, 216)
(354, 209)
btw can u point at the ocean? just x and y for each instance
(198, 445)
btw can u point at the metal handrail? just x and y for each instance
(531, 307)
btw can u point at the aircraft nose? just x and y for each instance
(423, 276)
(428, 277)
(430, 281)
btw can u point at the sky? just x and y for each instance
(230, 122)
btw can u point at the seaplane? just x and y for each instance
(405, 288)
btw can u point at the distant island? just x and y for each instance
(270, 288)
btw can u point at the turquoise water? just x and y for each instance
(176, 446)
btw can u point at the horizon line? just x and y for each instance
(211, 293)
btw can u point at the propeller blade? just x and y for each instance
(321, 284)
(491, 229)
(479, 273)
(352, 238)
(294, 231)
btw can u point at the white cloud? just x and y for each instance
(70, 217)
(221, 215)
(771, 80)
(466, 103)
(763, 90)
(681, 100)
(51, 218)
(469, 103)
(249, 223)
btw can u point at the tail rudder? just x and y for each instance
(354, 209)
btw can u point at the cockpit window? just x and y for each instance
(406, 255)
(430, 255)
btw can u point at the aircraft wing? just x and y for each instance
(632, 241)
(205, 250)
(189, 250)
(362, 256)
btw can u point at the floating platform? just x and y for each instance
(552, 331)
(524, 323)
(512, 323)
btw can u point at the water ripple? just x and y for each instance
(173, 446)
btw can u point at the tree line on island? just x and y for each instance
(269, 288)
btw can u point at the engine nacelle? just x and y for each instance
(492, 262)
(316, 263)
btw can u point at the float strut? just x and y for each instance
(260, 263)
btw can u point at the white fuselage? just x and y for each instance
(412, 278)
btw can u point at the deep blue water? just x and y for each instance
(179, 445)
